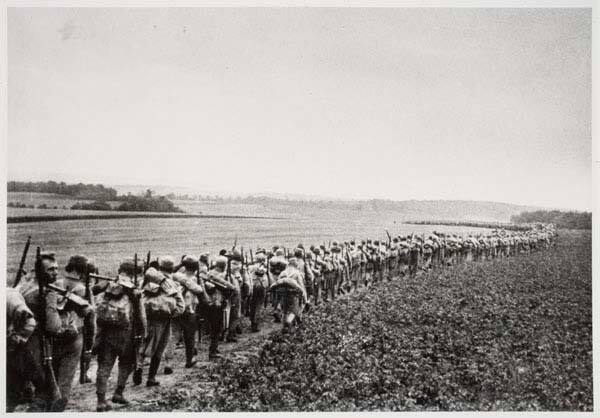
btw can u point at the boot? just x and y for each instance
(118, 396)
(137, 377)
(191, 363)
(154, 363)
(102, 405)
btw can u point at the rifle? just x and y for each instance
(84, 364)
(251, 257)
(137, 332)
(234, 244)
(389, 238)
(45, 345)
(116, 280)
(22, 263)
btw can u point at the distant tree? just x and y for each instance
(566, 220)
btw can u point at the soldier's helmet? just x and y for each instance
(190, 262)
(221, 262)
(153, 276)
(204, 258)
(317, 251)
(236, 255)
(127, 267)
(166, 264)
(261, 257)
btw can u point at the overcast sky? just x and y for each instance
(482, 104)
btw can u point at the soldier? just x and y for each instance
(239, 278)
(193, 295)
(121, 318)
(414, 252)
(72, 325)
(276, 265)
(20, 325)
(218, 290)
(166, 266)
(305, 271)
(260, 284)
(317, 269)
(162, 303)
(204, 263)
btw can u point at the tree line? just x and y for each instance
(77, 191)
(565, 220)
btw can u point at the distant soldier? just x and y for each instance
(20, 325)
(162, 303)
(277, 264)
(414, 252)
(317, 268)
(72, 325)
(120, 315)
(305, 271)
(238, 277)
(260, 284)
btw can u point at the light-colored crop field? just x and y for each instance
(108, 241)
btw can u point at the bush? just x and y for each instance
(97, 205)
(147, 203)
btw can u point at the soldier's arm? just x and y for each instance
(99, 287)
(53, 322)
(179, 304)
(142, 319)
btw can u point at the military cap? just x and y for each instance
(166, 263)
(316, 251)
(261, 251)
(300, 246)
(279, 252)
(204, 257)
(127, 266)
(77, 263)
(334, 243)
(260, 257)
(236, 255)
(153, 276)
(221, 261)
(298, 252)
(352, 242)
(190, 262)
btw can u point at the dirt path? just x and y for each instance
(83, 397)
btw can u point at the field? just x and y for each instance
(108, 241)
(505, 335)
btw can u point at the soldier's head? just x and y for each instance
(223, 252)
(293, 263)
(50, 266)
(166, 264)
(236, 256)
(279, 252)
(221, 262)
(352, 243)
(204, 258)
(190, 262)
(261, 257)
(127, 267)
(298, 252)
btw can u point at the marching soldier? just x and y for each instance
(120, 316)
(193, 295)
(70, 321)
(218, 290)
(162, 303)
(260, 284)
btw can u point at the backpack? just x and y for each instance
(113, 311)
(159, 307)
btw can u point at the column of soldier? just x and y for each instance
(139, 315)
